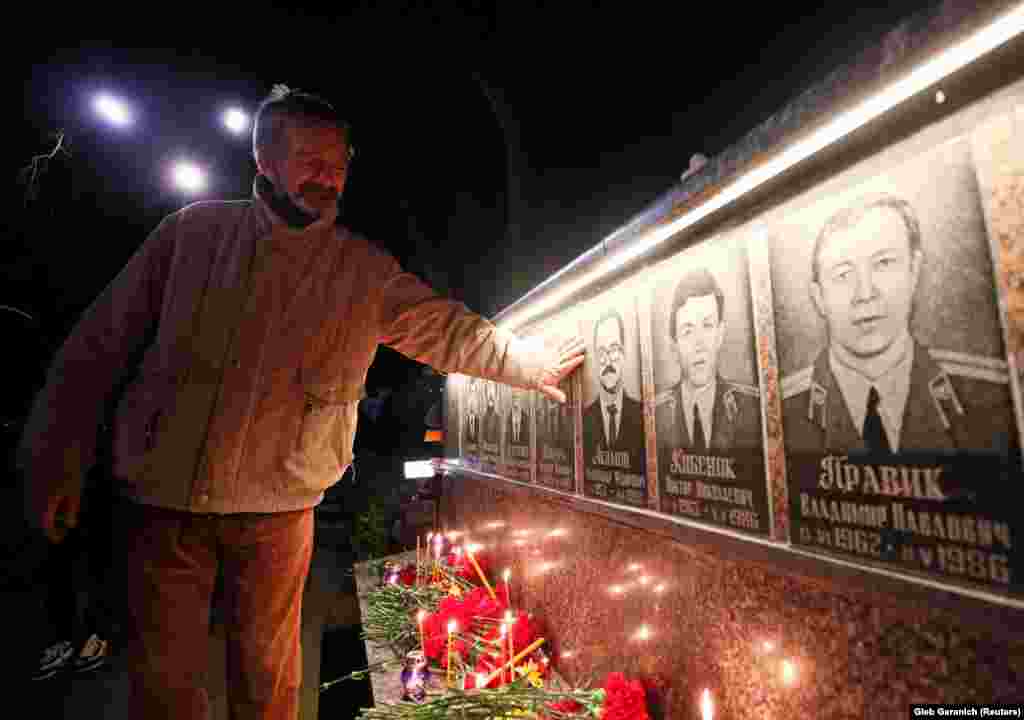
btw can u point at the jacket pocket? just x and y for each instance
(323, 445)
(140, 419)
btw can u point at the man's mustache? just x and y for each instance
(608, 370)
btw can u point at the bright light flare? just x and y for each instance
(788, 672)
(421, 616)
(768, 645)
(188, 177)
(235, 120)
(418, 469)
(452, 626)
(643, 633)
(112, 110)
(707, 708)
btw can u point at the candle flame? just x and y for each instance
(474, 547)
(707, 709)
(634, 567)
(452, 626)
(481, 679)
(504, 629)
(788, 672)
(421, 615)
(507, 574)
(769, 646)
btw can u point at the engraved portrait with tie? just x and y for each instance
(708, 406)
(472, 419)
(614, 454)
(876, 388)
(897, 415)
(517, 434)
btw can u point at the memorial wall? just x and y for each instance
(796, 440)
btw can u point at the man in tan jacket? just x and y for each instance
(256, 322)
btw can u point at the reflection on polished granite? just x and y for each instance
(766, 643)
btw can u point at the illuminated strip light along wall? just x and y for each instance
(992, 36)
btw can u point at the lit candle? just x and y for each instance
(452, 626)
(504, 634)
(438, 540)
(420, 617)
(483, 578)
(481, 681)
(510, 620)
(508, 591)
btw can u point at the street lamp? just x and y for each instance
(235, 120)
(188, 177)
(113, 110)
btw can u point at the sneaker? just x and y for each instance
(53, 659)
(92, 655)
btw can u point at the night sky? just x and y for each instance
(495, 143)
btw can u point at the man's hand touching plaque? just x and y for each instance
(567, 357)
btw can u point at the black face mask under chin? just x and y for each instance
(282, 205)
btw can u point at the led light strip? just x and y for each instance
(997, 33)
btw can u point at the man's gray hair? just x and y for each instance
(284, 105)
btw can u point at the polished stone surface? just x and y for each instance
(767, 642)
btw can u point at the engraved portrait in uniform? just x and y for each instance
(455, 386)
(490, 426)
(708, 409)
(518, 429)
(877, 386)
(898, 420)
(555, 421)
(472, 419)
(614, 454)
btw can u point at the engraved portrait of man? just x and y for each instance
(517, 425)
(491, 421)
(472, 415)
(613, 422)
(875, 387)
(704, 412)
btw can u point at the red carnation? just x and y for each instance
(624, 699)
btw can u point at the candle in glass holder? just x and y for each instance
(414, 677)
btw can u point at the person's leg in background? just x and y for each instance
(266, 562)
(171, 561)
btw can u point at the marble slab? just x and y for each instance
(767, 642)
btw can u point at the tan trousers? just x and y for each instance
(172, 559)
